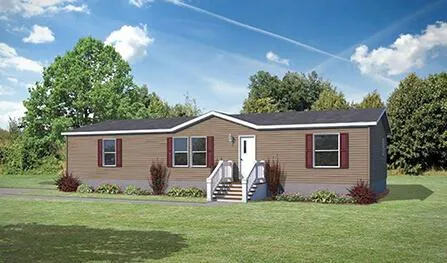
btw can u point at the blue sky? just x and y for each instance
(209, 48)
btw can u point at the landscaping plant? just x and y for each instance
(186, 192)
(108, 189)
(362, 194)
(159, 176)
(273, 173)
(85, 189)
(134, 190)
(67, 183)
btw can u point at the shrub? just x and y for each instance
(108, 189)
(134, 190)
(362, 194)
(324, 196)
(158, 180)
(84, 189)
(273, 173)
(186, 192)
(67, 183)
(293, 197)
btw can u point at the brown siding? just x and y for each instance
(287, 145)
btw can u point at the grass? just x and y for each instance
(409, 225)
(44, 185)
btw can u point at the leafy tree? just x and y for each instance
(370, 101)
(189, 108)
(260, 105)
(295, 91)
(417, 112)
(330, 99)
(89, 84)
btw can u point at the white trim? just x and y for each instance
(313, 149)
(187, 152)
(239, 150)
(191, 152)
(231, 119)
(104, 152)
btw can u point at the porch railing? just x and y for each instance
(223, 171)
(256, 175)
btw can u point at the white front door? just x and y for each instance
(247, 154)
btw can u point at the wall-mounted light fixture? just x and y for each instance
(230, 138)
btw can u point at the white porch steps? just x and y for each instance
(231, 192)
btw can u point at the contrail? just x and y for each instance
(256, 29)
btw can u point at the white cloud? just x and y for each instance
(39, 34)
(130, 41)
(10, 59)
(5, 90)
(29, 8)
(406, 53)
(272, 57)
(13, 80)
(140, 3)
(10, 109)
(224, 88)
(4, 18)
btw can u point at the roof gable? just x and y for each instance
(261, 121)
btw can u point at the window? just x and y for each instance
(180, 152)
(109, 152)
(198, 151)
(326, 150)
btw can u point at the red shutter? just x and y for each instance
(119, 153)
(99, 152)
(210, 151)
(169, 152)
(309, 151)
(344, 150)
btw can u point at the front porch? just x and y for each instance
(223, 186)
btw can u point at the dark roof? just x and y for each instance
(277, 118)
(311, 117)
(140, 124)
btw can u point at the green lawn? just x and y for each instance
(410, 225)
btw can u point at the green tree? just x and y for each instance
(370, 101)
(417, 112)
(330, 99)
(295, 91)
(189, 108)
(259, 105)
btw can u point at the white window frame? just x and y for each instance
(174, 151)
(191, 151)
(104, 152)
(314, 150)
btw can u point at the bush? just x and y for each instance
(84, 189)
(324, 196)
(273, 173)
(362, 194)
(67, 183)
(293, 197)
(108, 189)
(186, 192)
(134, 190)
(158, 180)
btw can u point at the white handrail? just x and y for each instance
(255, 175)
(223, 170)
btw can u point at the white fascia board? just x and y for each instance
(231, 119)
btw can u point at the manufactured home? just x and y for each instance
(317, 150)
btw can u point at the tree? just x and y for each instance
(259, 105)
(296, 91)
(330, 99)
(189, 108)
(417, 112)
(370, 101)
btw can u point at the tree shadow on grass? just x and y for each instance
(53, 243)
(407, 192)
